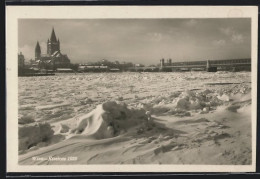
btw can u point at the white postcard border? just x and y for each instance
(13, 13)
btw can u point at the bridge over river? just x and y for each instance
(220, 65)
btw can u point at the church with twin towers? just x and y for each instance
(53, 59)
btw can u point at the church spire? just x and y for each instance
(37, 51)
(37, 47)
(53, 36)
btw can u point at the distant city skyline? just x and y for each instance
(143, 41)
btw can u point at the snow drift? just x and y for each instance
(195, 118)
(31, 135)
(109, 119)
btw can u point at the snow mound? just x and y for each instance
(224, 97)
(63, 128)
(31, 135)
(25, 119)
(190, 100)
(109, 119)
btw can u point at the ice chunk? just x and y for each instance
(26, 119)
(206, 109)
(183, 104)
(30, 135)
(224, 97)
(63, 128)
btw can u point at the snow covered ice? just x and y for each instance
(137, 118)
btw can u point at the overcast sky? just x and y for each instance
(140, 40)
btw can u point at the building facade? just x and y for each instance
(21, 60)
(53, 59)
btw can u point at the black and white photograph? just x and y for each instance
(126, 91)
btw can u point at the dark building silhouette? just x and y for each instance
(162, 62)
(37, 51)
(53, 44)
(21, 60)
(54, 58)
(20, 63)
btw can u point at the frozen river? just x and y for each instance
(206, 117)
(67, 95)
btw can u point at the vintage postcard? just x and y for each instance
(131, 89)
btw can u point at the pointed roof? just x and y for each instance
(38, 48)
(53, 36)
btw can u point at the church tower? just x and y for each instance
(53, 44)
(37, 51)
